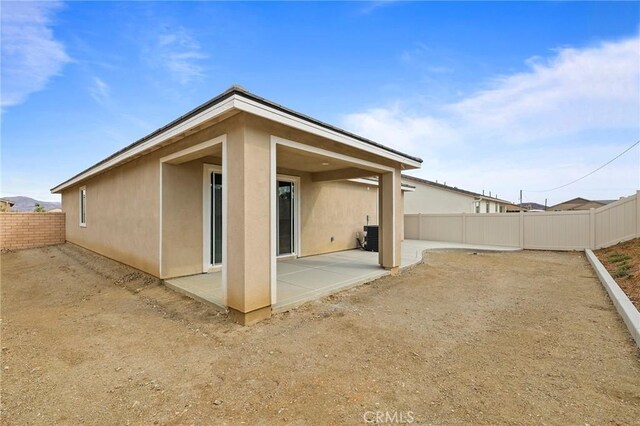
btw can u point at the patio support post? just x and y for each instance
(592, 228)
(390, 212)
(248, 226)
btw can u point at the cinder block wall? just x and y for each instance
(26, 230)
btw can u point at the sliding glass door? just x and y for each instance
(215, 219)
(286, 220)
(286, 217)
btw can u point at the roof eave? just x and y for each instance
(236, 98)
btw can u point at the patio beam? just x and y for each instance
(341, 174)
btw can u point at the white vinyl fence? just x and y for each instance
(566, 230)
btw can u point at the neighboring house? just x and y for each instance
(514, 208)
(5, 205)
(233, 185)
(579, 204)
(432, 197)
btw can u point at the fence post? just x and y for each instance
(638, 213)
(592, 228)
(464, 227)
(521, 229)
(419, 226)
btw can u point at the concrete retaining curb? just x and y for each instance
(626, 309)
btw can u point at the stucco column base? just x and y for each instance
(394, 271)
(250, 318)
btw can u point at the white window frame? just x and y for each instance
(82, 206)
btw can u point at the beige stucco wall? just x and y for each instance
(334, 209)
(122, 214)
(123, 206)
(182, 238)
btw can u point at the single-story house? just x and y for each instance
(234, 185)
(515, 208)
(579, 203)
(437, 198)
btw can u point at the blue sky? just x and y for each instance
(493, 96)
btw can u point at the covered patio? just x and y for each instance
(300, 280)
(262, 229)
(251, 208)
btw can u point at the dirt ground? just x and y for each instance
(496, 338)
(623, 263)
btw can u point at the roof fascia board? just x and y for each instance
(272, 114)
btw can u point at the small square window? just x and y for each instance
(83, 206)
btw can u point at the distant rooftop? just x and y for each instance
(454, 188)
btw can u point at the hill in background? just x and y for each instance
(27, 204)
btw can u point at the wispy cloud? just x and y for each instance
(177, 51)
(574, 91)
(581, 105)
(401, 128)
(99, 91)
(31, 55)
(418, 52)
(421, 56)
(370, 6)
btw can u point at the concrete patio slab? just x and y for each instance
(314, 278)
(303, 279)
(206, 288)
(285, 268)
(352, 269)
